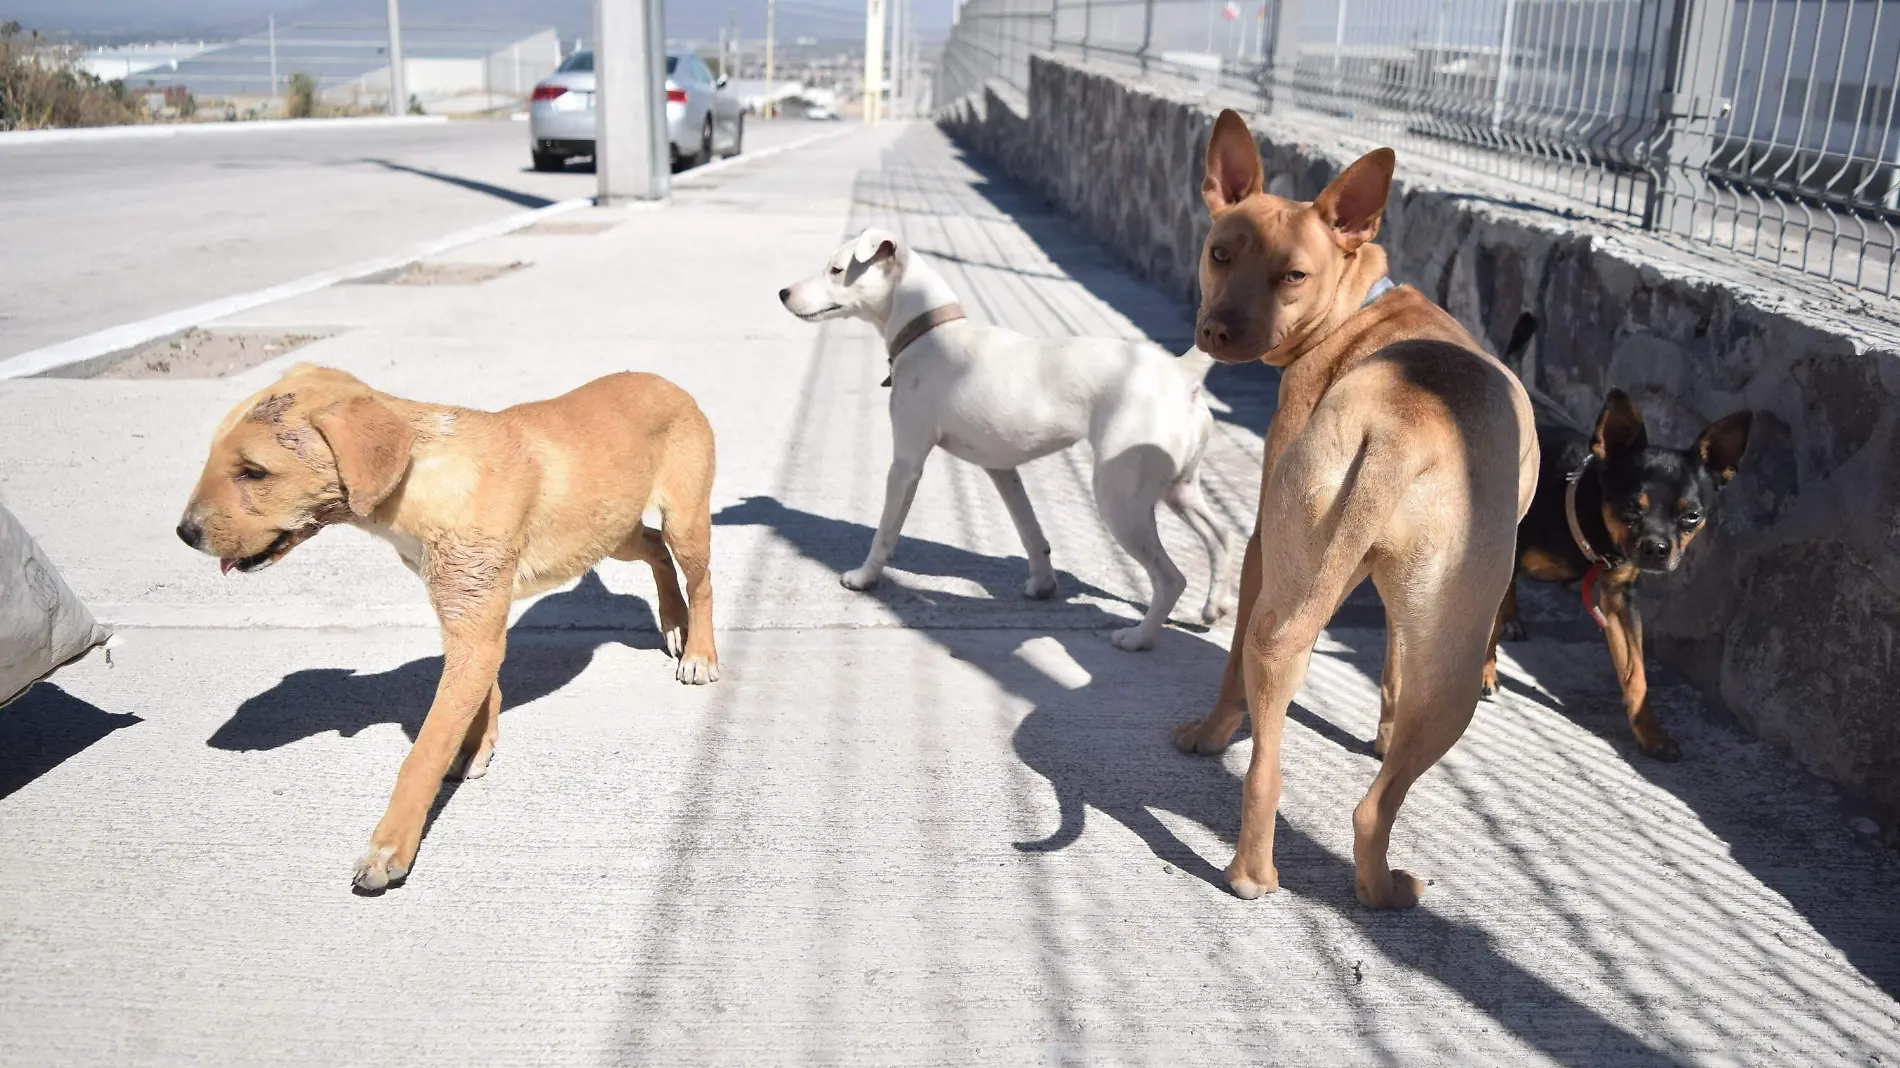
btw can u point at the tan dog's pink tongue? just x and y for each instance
(225, 564)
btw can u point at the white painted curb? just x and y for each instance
(24, 138)
(119, 338)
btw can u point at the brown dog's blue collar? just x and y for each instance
(1384, 285)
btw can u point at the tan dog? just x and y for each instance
(1400, 451)
(486, 507)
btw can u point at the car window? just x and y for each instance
(705, 72)
(582, 62)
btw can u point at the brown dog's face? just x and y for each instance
(1271, 268)
(312, 449)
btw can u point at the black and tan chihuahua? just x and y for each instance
(1608, 509)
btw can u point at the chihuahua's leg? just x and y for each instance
(1510, 620)
(1042, 574)
(1623, 629)
(900, 486)
(478, 746)
(649, 546)
(1187, 501)
(471, 588)
(1507, 613)
(1211, 733)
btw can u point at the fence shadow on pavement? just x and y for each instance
(548, 647)
(47, 727)
(1138, 697)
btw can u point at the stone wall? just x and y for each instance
(1787, 613)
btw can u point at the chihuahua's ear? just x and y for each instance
(1620, 429)
(371, 444)
(875, 244)
(1721, 446)
(1355, 201)
(1233, 164)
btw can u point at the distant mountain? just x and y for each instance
(101, 21)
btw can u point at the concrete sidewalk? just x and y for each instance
(933, 825)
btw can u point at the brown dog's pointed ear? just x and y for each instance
(1721, 446)
(1355, 201)
(1620, 427)
(371, 445)
(1233, 164)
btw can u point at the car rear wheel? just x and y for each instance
(738, 136)
(548, 161)
(705, 143)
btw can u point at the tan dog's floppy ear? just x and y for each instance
(1355, 201)
(1620, 427)
(1721, 446)
(875, 244)
(371, 444)
(1233, 163)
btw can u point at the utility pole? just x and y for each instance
(632, 159)
(771, 34)
(873, 59)
(722, 51)
(398, 91)
(897, 59)
(273, 61)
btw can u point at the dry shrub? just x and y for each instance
(42, 85)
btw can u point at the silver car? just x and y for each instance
(701, 117)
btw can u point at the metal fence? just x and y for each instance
(1766, 127)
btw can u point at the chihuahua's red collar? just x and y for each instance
(1597, 561)
(918, 327)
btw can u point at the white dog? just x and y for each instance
(999, 400)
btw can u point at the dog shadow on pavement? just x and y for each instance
(1103, 744)
(548, 647)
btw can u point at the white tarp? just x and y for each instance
(42, 624)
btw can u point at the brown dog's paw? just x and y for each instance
(675, 639)
(379, 869)
(1250, 881)
(697, 670)
(1401, 891)
(1489, 687)
(1200, 737)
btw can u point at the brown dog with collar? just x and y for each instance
(486, 507)
(1400, 452)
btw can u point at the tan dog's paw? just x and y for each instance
(1489, 686)
(1249, 881)
(469, 766)
(1132, 639)
(379, 869)
(1040, 587)
(697, 670)
(1402, 891)
(862, 578)
(1201, 737)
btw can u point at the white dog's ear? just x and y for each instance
(875, 244)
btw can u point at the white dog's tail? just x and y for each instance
(1194, 365)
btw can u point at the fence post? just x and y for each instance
(1088, 23)
(1147, 34)
(1284, 57)
(1687, 107)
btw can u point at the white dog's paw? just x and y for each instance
(1132, 639)
(1040, 587)
(675, 639)
(862, 578)
(697, 670)
(378, 869)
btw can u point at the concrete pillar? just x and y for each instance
(873, 59)
(398, 85)
(632, 160)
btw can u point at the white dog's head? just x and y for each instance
(857, 281)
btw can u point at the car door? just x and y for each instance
(722, 123)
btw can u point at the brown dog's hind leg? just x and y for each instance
(647, 544)
(1211, 733)
(1623, 630)
(478, 745)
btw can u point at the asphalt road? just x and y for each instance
(96, 234)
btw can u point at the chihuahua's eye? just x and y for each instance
(1689, 520)
(1294, 278)
(1218, 254)
(252, 473)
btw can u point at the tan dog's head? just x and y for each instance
(316, 448)
(1271, 268)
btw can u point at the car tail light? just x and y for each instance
(674, 94)
(548, 92)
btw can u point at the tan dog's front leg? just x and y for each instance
(1211, 733)
(474, 637)
(1623, 629)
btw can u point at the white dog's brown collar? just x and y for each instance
(918, 327)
